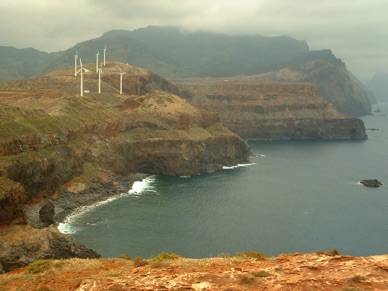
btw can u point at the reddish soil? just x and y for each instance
(286, 272)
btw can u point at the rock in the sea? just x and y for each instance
(21, 245)
(371, 183)
(47, 212)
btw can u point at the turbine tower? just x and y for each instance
(97, 61)
(99, 79)
(75, 62)
(82, 77)
(104, 54)
(121, 81)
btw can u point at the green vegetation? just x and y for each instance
(139, 262)
(90, 173)
(251, 255)
(333, 252)
(41, 266)
(165, 257)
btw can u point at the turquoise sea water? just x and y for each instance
(297, 196)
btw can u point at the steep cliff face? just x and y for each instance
(21, 245)
(330, 75)
(12, 199)
(53, 135)
(269, 110)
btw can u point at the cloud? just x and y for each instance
(355, 30)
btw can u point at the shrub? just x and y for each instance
(139, 262)
(246, 280)
(125, 257)
(165, 257)
(252, 255)
(39, 266)
(333, 252)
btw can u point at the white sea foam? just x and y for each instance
(138, 188)
(143, 186)
(237, 166)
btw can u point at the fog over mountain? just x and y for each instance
(353, 30)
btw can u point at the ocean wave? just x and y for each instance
(238, 166)
(143, 186)
(138, 188)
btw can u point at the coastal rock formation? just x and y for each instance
(21, 245)
(374, 183)
(47, 213)
(53, 135)
(12, 199)
(272, 111)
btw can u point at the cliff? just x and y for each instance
(272, 110)
(329, 73)
(51, 137)
(49, 134)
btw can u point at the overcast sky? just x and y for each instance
(355, 30)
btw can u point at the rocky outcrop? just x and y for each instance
(12, 199)
(21, 245)
(53, 136)
(272, 111)
(330, 76)
(374, 183)
(47, 213)
(50, 137)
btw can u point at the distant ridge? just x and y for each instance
(174, 53)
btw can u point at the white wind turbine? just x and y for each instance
(121, 81)
(104, 54)
(82, 77)
(97, 61)
(99, 78)
(75, 62)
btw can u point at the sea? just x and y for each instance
(294, 196)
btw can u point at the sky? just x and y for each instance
(355, 30)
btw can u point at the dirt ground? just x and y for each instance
(318, 271)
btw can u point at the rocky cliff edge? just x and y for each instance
(52, 138)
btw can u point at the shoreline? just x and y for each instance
(67, 203)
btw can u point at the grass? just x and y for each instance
(332, 253)
(251, 255)
(165, 257)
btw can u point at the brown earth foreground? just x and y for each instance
(318, 271)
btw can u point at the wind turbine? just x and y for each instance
(99, 79)
(104, 54)
(97, 61)
(121, 81)
(82, 77)
(75, 62)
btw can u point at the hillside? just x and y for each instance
(171, 53)
(264, 110)
(44, 120)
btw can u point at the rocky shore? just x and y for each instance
(67, 202)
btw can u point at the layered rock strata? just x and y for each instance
(51, 137)
(272, 111)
